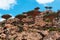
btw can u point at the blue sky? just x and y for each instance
(15, 7)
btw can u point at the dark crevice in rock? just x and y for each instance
(24, 39)
(41, 35)
(58, 38)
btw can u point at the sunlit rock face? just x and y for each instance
(39, 21)
(27, 19)
(12, 20)
(29, 36)
(52, 36)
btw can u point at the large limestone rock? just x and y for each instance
(53, 35)
(29, 36)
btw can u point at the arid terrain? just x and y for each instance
(31, 25)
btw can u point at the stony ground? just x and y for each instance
(29, 29)
(12, 29)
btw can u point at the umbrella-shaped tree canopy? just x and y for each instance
(20, 16)
(37, 8)
(48, 7)
(6, 16)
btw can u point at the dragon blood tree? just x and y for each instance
(48, 7)
(20, 16)
(6, 16)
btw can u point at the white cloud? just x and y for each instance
(44, 1)
(1, 19)
(7, 4)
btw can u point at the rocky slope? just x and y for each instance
(26, 27)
